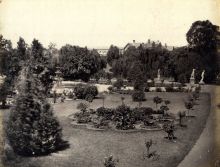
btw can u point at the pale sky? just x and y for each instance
(100, 23)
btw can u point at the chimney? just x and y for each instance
(133, 41)
(149, 41)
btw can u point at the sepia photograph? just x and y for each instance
(109, 83)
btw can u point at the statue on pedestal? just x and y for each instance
(158, 79)
(192, 78)
(202, 77)
(158, 74)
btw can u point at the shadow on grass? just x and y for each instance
(61, 147)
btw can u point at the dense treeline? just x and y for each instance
(135, 64)
(12, 61)
(142, 63)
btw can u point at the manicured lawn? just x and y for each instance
(88, 148)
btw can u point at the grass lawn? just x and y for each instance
(88, 148)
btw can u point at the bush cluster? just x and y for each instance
(83, 117)
(87, 92)
(138, 96)
(140, 113)
(119, 83)
(107, 113)
(123, 118)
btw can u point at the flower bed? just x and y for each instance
(122, 118)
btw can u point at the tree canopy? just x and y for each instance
(79, 63)
(202, 34)
(113, 54)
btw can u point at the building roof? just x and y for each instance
(146, 45)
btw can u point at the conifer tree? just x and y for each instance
(32, 128)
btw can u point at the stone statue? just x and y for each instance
(192, 78)
(202, 77)
(193, 74)
(158, 74)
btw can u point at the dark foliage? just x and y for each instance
(107, 113)
(141, 113)
(113, 54)
(138, 96)
(80, 63)
(119, 83)
(83, 91)
(123, 118)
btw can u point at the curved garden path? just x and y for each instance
(204, 153)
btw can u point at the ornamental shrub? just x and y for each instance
(87, 92)
(107, 113)
(138, 96)
(123, 118)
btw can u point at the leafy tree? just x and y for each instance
(110, 161)
(202, 38)
(82, 107)
(4, 91)
(157, 100)
(148, 144)
(100, 74)
(202, 34)
(164, 109)
(166, 102)
(83, 91)
(138, 96)
(32, 128)
(136, 74)
(169, 129)
(188, 106)
(113, 54)
(41, 65)
(6, 69)
(123, 118)
(80, 63)
(119, 83)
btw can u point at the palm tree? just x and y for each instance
(157, 100)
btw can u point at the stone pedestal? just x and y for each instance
(157, 82)
(192, 81)
(201, 83)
